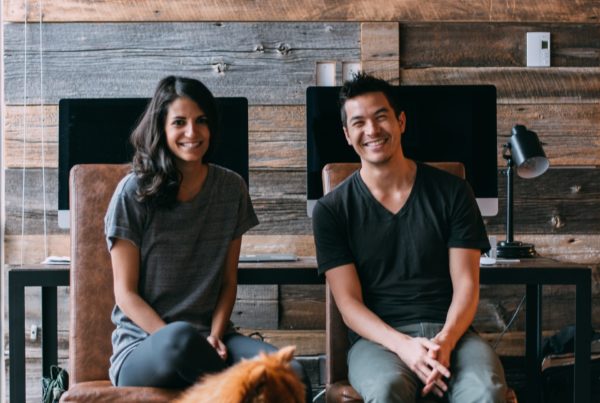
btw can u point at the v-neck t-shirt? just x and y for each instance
(401, 258)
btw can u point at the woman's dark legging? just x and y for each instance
(177, 355)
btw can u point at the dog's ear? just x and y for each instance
(256, 377)
(286, 354)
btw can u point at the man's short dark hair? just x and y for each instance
(363, 83)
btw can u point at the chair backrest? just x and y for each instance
(92, 297)
(336, 333)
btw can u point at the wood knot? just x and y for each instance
(557, 221)
(284, 49)
(259, 48)
(220, 68)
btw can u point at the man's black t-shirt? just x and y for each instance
(401, 259)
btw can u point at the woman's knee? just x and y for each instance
(177, 340)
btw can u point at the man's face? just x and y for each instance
(373, 129)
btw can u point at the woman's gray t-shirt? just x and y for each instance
(182, 252)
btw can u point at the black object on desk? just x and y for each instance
(533, 273)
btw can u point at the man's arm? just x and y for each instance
(464, 273)
(413, 351)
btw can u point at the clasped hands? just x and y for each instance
(430, 361)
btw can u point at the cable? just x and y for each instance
(24, 131)
(43, 132)
(510, 322)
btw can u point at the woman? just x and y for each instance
(174, 228)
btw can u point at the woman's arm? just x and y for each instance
(222, 314)
(125, 257)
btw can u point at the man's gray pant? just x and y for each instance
(380, 376)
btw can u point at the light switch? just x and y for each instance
(538, 49)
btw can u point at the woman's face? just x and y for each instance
(187, 132)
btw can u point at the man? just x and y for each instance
(399, 243)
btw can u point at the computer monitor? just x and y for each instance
(93, 131)
(443, 123)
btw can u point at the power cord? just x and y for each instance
(510, 322)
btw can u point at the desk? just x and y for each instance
(533, 273)
(49, 277)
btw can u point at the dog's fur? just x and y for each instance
(264, 379)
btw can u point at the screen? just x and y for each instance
(443, 123)
(96, 131)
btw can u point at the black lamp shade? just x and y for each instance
(527, 153)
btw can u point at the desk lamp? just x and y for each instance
(524, 152)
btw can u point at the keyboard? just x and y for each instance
(269, 257)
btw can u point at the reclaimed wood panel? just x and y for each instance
(380, 50)
(302, 307)
(518, 84)
(281, 216)
(309, 10)
(561, 201)
(25, 200)
(576, 248)
(267, 124)
(59, 245)
(32, 247)
(494, 44)
(307, 342)
(35, 125)
(289, 154)
(277, 123)
(281, 209)
(300, 245)
(379, 41)
(270, 64)
(570, 133)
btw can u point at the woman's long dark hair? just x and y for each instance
(153, 161)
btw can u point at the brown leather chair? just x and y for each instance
(336, 333)
(91, 288)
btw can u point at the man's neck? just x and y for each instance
(397, 174)
(390, 183)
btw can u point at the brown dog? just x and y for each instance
(264, 379)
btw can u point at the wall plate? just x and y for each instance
(538, 49)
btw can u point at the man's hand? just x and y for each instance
(218, 345)
(420, 355)
(441, 355)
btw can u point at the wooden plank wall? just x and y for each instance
(266, 51)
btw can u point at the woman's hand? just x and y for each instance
(218, 345)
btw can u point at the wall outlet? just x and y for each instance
(34, 332)
(538, 49)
